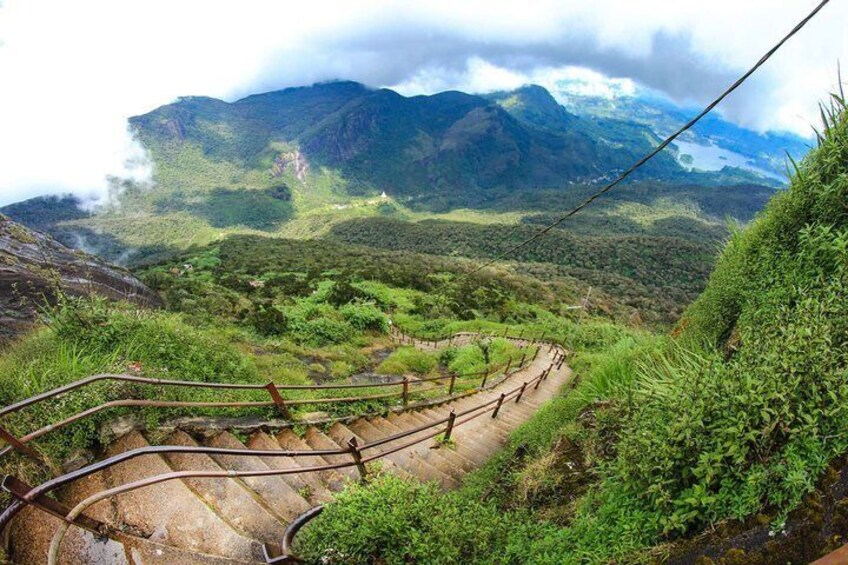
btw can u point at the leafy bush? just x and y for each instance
(365, 317)
(395, 522)
(267, 319)
(407, 360)
(466, 360)
(326, 331)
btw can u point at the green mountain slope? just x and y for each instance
(712, 142)
(301, 162)
(724, 442)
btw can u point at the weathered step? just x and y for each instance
(316, 439)
(405, 458)
(433, 465)
(331, 478)
(79, 547)
(447, 460)
(79, 490)
(308, 485)
(390, 424)
(32, 531)
(274, 492)
(341, 434)
(230, 498)
(169, 512)
(465, 439)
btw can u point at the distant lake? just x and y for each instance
(714, 158)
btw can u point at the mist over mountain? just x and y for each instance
(710, 145)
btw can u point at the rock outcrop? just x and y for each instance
(35, 269)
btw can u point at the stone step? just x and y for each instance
(234, 501)
(169, 513)
(341, 434)
(434, 464)
(442, 457)
(273, 492)
(406, 458)
(388, 422)
(331, 479)
(308, 485)
(316, 439)
(79, 547)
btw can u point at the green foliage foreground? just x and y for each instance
(740, 413)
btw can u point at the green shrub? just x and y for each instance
(91, 336)
(395, 522)
(326, 331)
(365, 317)
(268, 319)
(467, 359)
(407, 360)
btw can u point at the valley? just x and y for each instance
(681, 344)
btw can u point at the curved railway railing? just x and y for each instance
(360, 455)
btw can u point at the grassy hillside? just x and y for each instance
(738, 414)
(253, 309)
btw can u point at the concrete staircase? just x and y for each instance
(212, 521)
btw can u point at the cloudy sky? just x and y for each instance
(73, 71)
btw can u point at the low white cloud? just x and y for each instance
(72, 72)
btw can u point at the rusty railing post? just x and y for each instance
(561, 361)
(278, 400)
(449, 429)
(539, 380)
(521, 392)
(498, 407)
(357, 458)
(508, 366)
(521, 333)
(506, 331)
(18, 445)
(20, 490)
(485, 377)
(523, 359)
(452, 384)
(543, 336)
(536, 354)
(405, 391)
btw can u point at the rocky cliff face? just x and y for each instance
(35, 268)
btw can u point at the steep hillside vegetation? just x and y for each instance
(35, 271)
(739, 414)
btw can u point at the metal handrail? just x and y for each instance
(354, 450)
(37, 495)
(15, 443)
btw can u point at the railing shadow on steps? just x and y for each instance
(38, 496)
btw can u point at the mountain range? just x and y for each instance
(710, 145)
(357, 165)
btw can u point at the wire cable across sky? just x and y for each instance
(665, 143)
